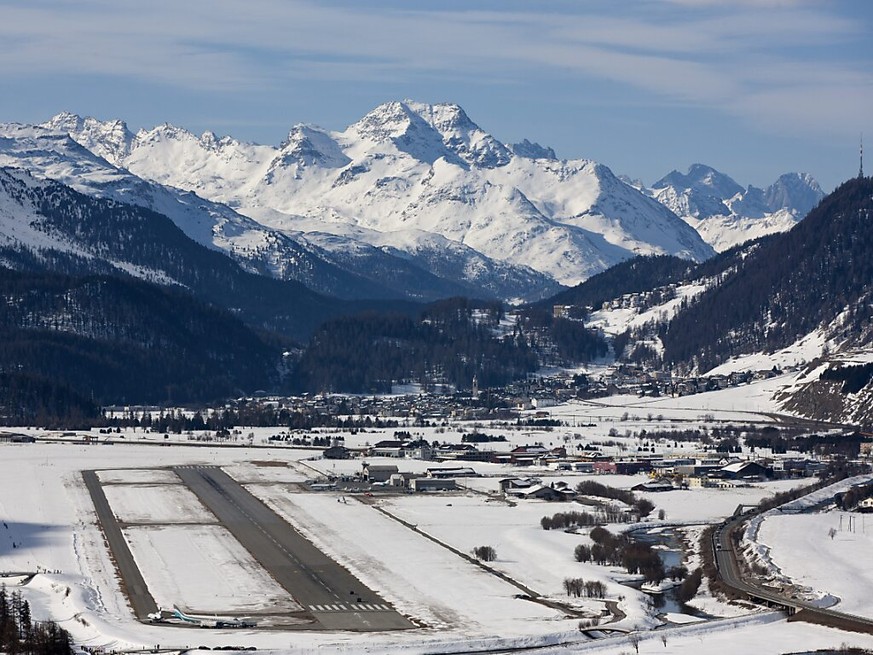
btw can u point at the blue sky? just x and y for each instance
(754, 88)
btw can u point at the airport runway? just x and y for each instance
(137, 592)
(336, 599)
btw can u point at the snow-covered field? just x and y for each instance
(138, 476)
(167, 503)
(817, 549)
(203, 569)
(802, 548)
(411, 553)
(419, 577)
(540, 559)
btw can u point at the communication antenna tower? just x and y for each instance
(861, 170)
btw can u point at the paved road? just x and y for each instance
(131, 579)
(729, 570)
(336, 599)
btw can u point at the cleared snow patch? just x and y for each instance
(266, 472)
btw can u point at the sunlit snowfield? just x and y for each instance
(406, 547)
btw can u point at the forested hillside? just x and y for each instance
(448, 342)
(820, 274)
(79, 235)
(67, 343)
(632, 276)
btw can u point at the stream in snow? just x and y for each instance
(669, 548)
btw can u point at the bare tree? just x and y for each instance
(634, 640)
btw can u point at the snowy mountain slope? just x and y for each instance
(49, 228)
(443, 258)
(816, 276)
(413, 171)
(22, 225)
(56, 156)
(725, 214)
(53, 154)
(725, 232)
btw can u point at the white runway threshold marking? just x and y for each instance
(353, 607)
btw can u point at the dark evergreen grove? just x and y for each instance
(445, 343)
(68, 344)
(450, 341)
(19, 633)
(853, 377)
(568, 340)
(632, 276)
(71, 344)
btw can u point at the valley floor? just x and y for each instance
(412, 549)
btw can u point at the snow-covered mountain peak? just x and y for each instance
(211, 141)
(430, 132)
(110, 139)
(530, 150)
(462, 136)
(444, 117)
(65, 122)
(394, 119)
(796, 192)
(750, 203)
(388, 121)
(165, 132)
(397, 124)
(308, 145)
(702, 179)
(726, 214)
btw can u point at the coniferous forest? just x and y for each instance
(450, 342)
(787, 286)
(19, 633)
(445, 344)
(632, 276)
(70, 343)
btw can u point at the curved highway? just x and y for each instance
(730, 572)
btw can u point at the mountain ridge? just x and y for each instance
(414, 166)
(423, 186)
(726, 214)
(69, 232)
(367, 272)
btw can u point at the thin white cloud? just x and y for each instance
(749, 58)
(732, 4)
